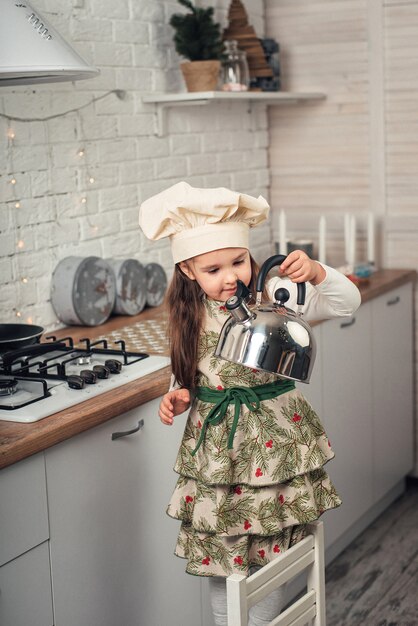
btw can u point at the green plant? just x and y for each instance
(197, 37)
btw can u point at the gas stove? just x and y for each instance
(43, 379)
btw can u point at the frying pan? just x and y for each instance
(14, 336)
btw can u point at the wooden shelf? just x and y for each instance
(164, 101)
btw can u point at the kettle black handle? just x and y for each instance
(277, 259)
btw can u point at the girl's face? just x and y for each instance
(217, 272)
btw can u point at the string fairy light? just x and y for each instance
(14, 177)
(20, 244)
(94, 229)
(119, 93)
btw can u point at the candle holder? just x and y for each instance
(359, 247)
(301, 244)
(298, 244)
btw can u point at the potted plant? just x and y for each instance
(198, 39)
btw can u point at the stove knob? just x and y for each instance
(88, 376)
(101, 370)
(75, 382)
(114, 365)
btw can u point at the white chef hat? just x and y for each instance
(201, 220)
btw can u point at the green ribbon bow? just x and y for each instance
(250, 396)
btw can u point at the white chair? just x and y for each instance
(243, 592)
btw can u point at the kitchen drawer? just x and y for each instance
(23, 507)
(25, 590)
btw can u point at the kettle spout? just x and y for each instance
(238, 309)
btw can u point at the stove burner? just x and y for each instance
(16, 393)
(8, 386)
(84, 360)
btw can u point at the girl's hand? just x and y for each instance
(300, 268)
(173, 403)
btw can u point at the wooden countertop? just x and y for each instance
(18, 441)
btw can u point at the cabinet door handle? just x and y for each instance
(350, 323)
(125, 433)
(394, 300)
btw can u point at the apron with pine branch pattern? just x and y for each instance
(242, 506)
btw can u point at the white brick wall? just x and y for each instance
(88, 205)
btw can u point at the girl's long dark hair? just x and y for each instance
(185, 316)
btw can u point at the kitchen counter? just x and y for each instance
(146, 332)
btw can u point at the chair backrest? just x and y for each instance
(307, 555)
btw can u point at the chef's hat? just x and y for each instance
(201, 220)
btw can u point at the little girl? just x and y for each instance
(245, 491)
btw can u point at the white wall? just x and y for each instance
(320, 154)
(88, 205)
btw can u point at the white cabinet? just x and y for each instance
(392, 370)
(367, 399)
(25, 590)
(112, 544)
(25, 581)
(347, 403)
(23, 507)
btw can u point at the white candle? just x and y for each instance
(282, 233)
(347, 229)
(322, 235)
(370, 237)
(352, 254)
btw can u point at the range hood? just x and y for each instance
(31, 50)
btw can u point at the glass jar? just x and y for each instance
(235, 75)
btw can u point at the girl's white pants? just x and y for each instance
(259, 615)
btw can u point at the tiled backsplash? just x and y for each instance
(145, 336)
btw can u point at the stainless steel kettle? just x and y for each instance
(269, 336)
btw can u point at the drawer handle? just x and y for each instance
(350, 323)
(393, 301)
(125, 433)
